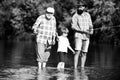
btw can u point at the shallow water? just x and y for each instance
(18, 62)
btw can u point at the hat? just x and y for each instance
(50, 10)
(82, 3)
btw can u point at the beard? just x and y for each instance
(79, 12)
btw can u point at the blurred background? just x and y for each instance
(18, 16)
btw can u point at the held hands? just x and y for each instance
(54, 39)
(53, 42)
(73, 52)
(36, 31)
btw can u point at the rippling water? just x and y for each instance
(18, 62)
(51, 73)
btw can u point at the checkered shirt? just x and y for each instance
(45, 28)
(83, 23)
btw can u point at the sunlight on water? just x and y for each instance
(18, 62)
(20, 73)
(51, 73)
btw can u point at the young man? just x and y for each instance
(82, 25)
(45, 29)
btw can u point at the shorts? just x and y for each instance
(81, 44)
(43, 52)
(62, 56)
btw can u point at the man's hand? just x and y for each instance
(53, 42)
(91, 31)
(88, 32)
(35, 31)
(82, 32)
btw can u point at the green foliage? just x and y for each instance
(21, 15)
(4, 16)
(18, 16)
(104, 16)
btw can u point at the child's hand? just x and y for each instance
(73, 52)
(57, 39)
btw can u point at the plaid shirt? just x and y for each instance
(83, 23)
(45, 28)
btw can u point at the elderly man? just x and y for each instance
(45, 29)
(82, 25)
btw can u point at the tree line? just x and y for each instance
(18, 16)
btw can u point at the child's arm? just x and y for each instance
(71, 49)
(57, 37)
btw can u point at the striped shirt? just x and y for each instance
(83, 23)
(45, 28)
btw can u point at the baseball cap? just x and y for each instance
(82, 3)
(50, 10)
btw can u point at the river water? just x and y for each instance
(18, 62)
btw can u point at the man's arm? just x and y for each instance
(74, 23)
(36, 24)
(54, 31)
(90, 25)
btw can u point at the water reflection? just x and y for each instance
(49, 73)
(19, 73)
(2, 49)
(43, 74)
(21, 64)
(17, 53)
(52, 74)
(102, 55)
(61, 75)
(80, 75)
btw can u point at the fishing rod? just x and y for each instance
(101, 28)
(118, 26)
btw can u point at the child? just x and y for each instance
(63, 45)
